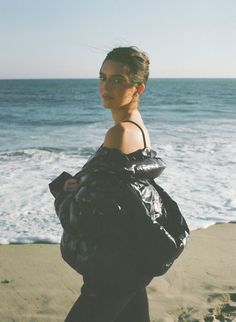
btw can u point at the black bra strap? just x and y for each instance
(144, 140)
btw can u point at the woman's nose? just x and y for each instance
(107, 84)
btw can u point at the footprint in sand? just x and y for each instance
(5, 281)
(232, 297)
(224, 310)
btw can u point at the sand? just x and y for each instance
(36, 285)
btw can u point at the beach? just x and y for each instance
(36, 285)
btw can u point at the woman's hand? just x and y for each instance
(71, 185)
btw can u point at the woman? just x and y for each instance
(123, 77)
(108, 209)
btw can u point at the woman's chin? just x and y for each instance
(107, 105)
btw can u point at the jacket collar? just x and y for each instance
(141, 164)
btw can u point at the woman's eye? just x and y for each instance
(113, 81)
(118, 80)
(102, 78)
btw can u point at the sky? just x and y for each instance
(70, 38)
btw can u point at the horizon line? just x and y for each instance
(95, 78)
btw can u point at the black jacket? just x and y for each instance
(116, 218)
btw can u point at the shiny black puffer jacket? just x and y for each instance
(114, 224)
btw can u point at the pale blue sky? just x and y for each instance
(69, 38)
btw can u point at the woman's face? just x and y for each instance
(115, 88)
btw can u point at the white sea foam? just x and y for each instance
(27, 212)
(199, 176)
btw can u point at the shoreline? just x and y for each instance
(37, 285)
(45, 241)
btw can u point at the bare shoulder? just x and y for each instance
(125, 137)
(114, 136)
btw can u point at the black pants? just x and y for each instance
(100, 306)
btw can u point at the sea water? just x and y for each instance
(50, 126)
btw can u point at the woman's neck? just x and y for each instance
(130, 112)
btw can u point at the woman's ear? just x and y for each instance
(141, 89)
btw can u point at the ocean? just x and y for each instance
(50, 126)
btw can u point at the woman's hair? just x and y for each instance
(135, 59)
